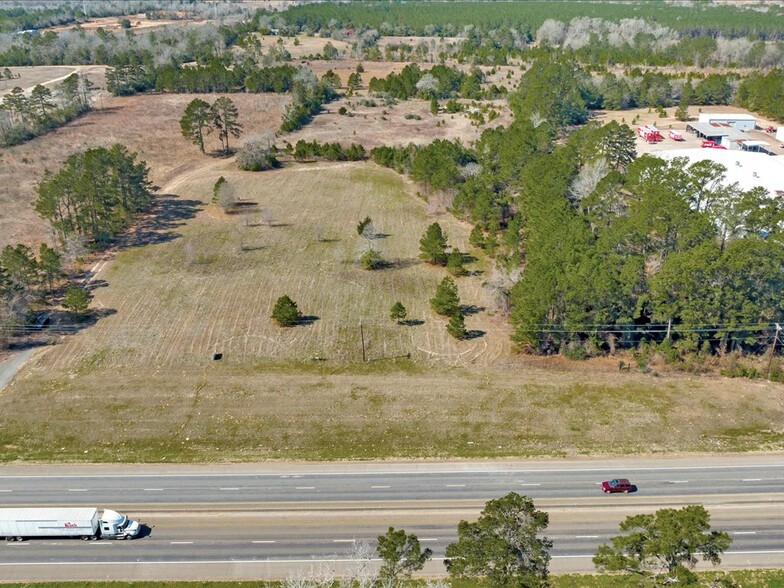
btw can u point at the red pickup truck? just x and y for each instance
(712, 144)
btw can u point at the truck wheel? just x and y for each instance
(127, 537)
(9, 539)
(20, 538)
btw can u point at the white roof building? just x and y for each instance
(744, 122)
(746, 168)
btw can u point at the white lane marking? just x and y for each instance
(378, 487)
(677, 481)
(15, 544)
(180, 542)
(153, 489)
(530, 484)
(4, 490)
(77, 489)
(455, 485)
(344, 541)
(6, 564)
(262, 542)
(227, 489)
(429, 539)
(98, 543)
(744, 533)
(305, 488)
(751, 480)
(586, 536)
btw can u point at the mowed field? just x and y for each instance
(142, 384)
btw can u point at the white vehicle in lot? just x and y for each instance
(17, 524)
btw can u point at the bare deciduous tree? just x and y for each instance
(588, 178)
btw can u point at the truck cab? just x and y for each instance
(117, 526)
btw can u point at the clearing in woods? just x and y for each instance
(205, 283)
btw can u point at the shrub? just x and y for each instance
(371, 260)
(285, 312)
(256, 155)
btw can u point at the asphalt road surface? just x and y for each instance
(271, 520)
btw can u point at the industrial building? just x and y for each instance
(742, 122)
(727, 136)
(749, 170)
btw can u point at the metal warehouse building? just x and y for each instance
(742, 122)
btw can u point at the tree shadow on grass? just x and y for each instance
(474, 334)
(307, 319)
(412, 322)
(403, 263)
(65, 323)
(471, 309)
(159, 224)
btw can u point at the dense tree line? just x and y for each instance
(392, 18)
(24, 116)
(440, 81)
(95, 195)
(308, 96)
(328, 151)
(614, 251)
(763, 93)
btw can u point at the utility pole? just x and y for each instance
(669, 327)
(773, 351)
(362, 338)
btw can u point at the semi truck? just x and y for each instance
(17, 524)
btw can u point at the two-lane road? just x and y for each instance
(268, 520)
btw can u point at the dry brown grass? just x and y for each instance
(147, 125)
(387, 125)
(195, 281)
(146, 373)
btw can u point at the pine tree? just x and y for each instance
(454, 264)
(398, 313)
(197, 121)
(285, 312)
(76, 300)
(433, 245)
(446, 302)
(224, 119)
(456, 326)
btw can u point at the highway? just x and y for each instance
(250, 521)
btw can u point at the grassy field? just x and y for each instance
(141, 384)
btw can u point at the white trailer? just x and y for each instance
(17, 524)
(780, 134)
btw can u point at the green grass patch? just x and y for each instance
(744, 578)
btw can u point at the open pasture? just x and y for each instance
(205, 283)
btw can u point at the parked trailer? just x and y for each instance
(17, 524)
(675, 136)
(649, 133)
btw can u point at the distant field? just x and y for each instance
(147, 125)
(141, 385)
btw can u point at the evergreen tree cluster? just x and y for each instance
(329, 151)
(440, 81)
(615, 251)
(95, 195)
(308, 96)
(764, 93)
(24, 116)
